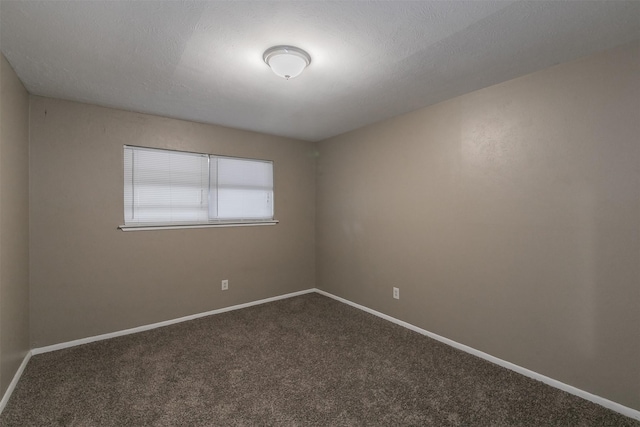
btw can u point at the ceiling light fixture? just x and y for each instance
(286, 61)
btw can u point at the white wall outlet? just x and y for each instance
(396, 293)
(225, 285)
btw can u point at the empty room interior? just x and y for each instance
(320, 213)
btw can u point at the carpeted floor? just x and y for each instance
(303, 361)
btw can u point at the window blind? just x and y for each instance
(244, 189)
(163, 187)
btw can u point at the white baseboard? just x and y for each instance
(624, 410)
(87, 340)
(14, 382)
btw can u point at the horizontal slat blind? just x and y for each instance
(245, 189)
(165, 186)
(170, 187)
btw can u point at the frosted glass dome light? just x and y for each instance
(287, 61)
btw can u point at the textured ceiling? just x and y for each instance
(202, 61)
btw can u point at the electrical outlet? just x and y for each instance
(225, 285)
(396, 293)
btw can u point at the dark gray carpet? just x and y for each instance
(304, 361)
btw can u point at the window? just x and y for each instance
(164, 188)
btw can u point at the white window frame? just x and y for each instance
(210, 190)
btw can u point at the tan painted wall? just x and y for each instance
(89, 278)
(509, 218)
(14, 223)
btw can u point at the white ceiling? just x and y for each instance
(202, 61)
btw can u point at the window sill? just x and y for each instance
(149, 227)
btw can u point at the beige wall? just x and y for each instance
(14, 224)
(508, 217)
(89, 278)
